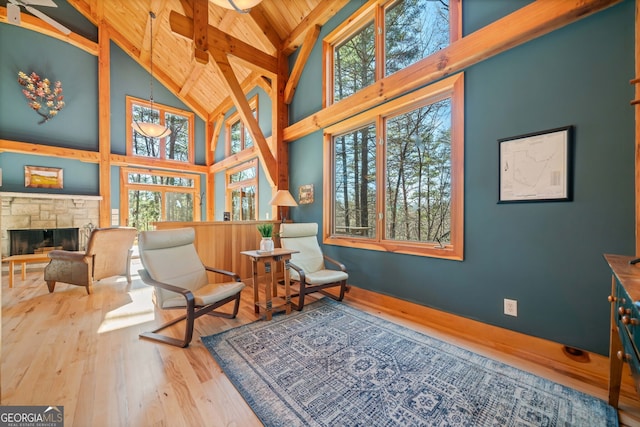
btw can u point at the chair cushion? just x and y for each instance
(162, 239)
(321, 277)
(169, 256)
(302, 229)
(303, 238)
(110, 249)
(207, 294)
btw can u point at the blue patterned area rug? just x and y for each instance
(333, 365)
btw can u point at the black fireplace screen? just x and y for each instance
(34, 241)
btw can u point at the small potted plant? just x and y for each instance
(266, 231)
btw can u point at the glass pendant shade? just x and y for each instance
(242, 6)
(151, 130)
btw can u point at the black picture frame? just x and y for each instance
(536, 167)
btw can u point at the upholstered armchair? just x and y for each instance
(108, 254)
(308, 268)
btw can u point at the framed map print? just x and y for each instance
(536, 167)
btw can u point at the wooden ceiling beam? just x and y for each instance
(244, 109)
(86, 156)
(223, 42)
(134, 52)
(301, 60)
(187, 8)
(200, 33)
(527, 23)
(262, 23)
(318, 16)
(93, 10)
(196, 71)
(249, 83)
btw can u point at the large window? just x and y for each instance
(238, 137)
(381, 38)
(242, 191)
(396, 175)
(178, 146)
(149, 196)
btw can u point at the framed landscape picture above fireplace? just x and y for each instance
(41, 177)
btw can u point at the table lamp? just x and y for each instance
(283, 198)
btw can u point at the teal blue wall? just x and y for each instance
(78, 177)
(76, 126)
(548, 256)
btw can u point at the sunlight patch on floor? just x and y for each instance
(139, 310)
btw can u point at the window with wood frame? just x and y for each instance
(394, 175)
(383, 37)
(238, 137)
(148, 196)
(242, 191)
(177, 147)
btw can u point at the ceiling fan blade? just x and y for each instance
(48, 20)
(13, 13)
(44, 3)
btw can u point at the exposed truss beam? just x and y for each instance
(223, 42)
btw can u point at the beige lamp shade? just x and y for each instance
(241, 6)
(283, 198)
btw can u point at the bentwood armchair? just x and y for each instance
(172, 265)
(308, 265)
(108, 254)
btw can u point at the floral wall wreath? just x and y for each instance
(44, 99)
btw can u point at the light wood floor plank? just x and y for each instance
(83, 352)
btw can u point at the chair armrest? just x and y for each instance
(173, 288)
(233, 275)
(69, 256)
(333, 261)
(299, 270)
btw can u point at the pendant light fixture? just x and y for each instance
(242, 6)
(149, 129)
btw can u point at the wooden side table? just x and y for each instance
(23, 260)
(272, 301)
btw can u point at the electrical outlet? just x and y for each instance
(511, 307)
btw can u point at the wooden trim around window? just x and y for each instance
(130, 101)
(451, 87)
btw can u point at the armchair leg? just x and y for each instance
(300, 304)
(190, 317)
(128, 273)
(183, 343)
(51, 284)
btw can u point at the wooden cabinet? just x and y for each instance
(625, 323)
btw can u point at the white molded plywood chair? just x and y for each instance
(173, 266)
(308, 265)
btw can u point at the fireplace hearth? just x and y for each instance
(41, 240)
(42, 211)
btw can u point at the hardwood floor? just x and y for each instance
(83, 352)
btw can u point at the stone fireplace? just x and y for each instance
(39, 211)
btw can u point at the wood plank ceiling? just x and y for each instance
(271, 28)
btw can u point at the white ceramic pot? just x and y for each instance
(266, 244)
